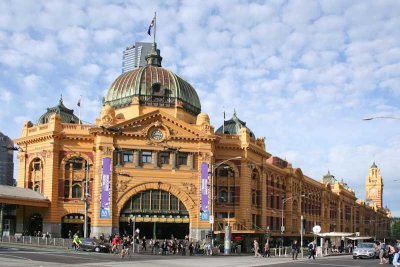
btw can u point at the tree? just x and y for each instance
(396, 228)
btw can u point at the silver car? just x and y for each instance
(366, 250)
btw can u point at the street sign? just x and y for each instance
(211, 218)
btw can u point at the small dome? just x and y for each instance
(233, 126)
(202, 118)
(153, 86)
(66, 115)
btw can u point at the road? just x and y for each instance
(18, 256)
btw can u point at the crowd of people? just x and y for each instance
(125, 244)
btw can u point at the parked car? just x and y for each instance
(366, 250)
(90, 244)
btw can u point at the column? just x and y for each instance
(173, 160)
(137, 158)
(155, 160)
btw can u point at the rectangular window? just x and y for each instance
(164, 200)
(232, 195)
(164, 158)
(136, 203)
(173, 203)
(182, 158)
(146, 157)
(155, 200)
(77, 165)
(66, 189)
(128, 156)
(145, 201)
(36, 167)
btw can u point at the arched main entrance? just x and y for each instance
(156, 213)
(35, 225)
(73, 222)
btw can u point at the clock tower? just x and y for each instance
(374, 186)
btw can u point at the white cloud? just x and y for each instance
(303, 75)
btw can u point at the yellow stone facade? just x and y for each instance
(159, 150)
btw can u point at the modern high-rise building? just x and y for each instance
(135, 56)
(6, 160)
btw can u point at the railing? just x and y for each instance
(37, 241)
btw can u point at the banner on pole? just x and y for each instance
(105, 189)
(204, 210)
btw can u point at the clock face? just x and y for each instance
(373, 191)
(156, 134)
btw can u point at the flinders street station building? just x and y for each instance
(152, 161)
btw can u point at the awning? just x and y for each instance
(335, 234)
(22, 196)
(359, 237)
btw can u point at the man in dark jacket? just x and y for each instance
(295, 250)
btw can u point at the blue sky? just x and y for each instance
(302, 74)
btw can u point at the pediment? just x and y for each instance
(158, 126)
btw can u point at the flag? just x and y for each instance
(151, 26)
(79, 103)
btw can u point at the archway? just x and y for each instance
(35, 225)
(73, 223)
(156, 213)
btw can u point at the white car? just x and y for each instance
(366, 250)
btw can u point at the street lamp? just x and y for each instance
(284, 200)
(213, 168)
(86, 195)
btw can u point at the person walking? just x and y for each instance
(391, 251)
(382, 252)
(266, 250)
(295, 250)
(396, 259)
(256, 249)
(312, 248)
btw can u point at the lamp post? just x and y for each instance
(213, 168)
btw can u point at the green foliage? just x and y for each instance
(396, 229)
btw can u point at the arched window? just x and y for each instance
(76, 190)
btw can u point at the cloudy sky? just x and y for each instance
(302, 74)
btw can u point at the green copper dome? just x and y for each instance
(66, 115)
(153, 86)
(233, 126)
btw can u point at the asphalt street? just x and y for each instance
(18, 256)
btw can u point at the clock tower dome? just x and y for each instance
(374, 186)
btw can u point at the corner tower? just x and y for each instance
(374, 186)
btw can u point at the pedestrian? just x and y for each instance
(390, 251)
(266, 250)
(144, 244)
(69, 234)
(312, 248)
(382, 253)
(396, 259)
(256, 248)
(295, 250)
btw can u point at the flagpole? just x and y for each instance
(155, 27)
(80, 103)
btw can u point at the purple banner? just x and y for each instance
(105, 189)
(204, 211)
